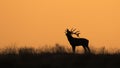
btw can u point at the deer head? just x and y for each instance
(72, 31)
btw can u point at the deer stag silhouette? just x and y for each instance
(74, 41)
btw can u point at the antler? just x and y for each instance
(77, 32)
(72, 30)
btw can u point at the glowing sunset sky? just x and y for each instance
(40, 22)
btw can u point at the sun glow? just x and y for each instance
(43, 22)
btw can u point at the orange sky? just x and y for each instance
(40, 22)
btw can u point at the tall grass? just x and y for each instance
(57, 57)
(56, 49)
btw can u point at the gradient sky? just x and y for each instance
(41, 22)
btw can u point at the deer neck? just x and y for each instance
(69, 37)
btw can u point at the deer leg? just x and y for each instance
(88, 49)
(85, 50)
(73, 48)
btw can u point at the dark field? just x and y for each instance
(30, 58)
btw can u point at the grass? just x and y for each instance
(56, 57)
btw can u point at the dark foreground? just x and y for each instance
(59, 60)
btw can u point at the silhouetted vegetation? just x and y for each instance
(57, 57)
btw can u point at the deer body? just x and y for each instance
(77, 41)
